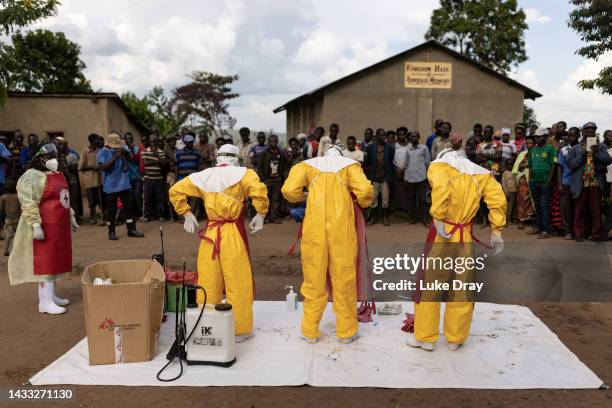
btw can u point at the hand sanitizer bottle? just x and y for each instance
(291, 299)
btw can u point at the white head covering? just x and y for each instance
(301, 136)
(334, 151)
(506, 131)
(458, 160)
(332, 162)
(227, 173)
(228, 155)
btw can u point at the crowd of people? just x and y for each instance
(556, 180)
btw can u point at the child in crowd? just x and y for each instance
(510, 187)
(10, 211)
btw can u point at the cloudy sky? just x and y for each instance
(281, 49)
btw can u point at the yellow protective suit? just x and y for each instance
(455, 198)
(329, 238)
(231, 268)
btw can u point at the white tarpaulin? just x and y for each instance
(508, 348)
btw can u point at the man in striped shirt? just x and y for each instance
(155, 162)
(188, 160)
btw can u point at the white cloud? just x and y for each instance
(526, 77)
(320, 47)
(277, 48)
(534, 16)
(283, 49)
(252, 108)
(574, 105)
(272, 49)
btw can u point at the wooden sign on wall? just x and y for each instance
(428, 75)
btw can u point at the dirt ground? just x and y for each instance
(30, 341)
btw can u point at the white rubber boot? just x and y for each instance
(454, 346)
(57, 300)
(413, 342)
(45, 299)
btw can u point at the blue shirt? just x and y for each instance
(117, 177)
(255, 152)
(25, 156)
(187, 162)
(134, 167)
(430, 141)
(4, 152)
(566, 174)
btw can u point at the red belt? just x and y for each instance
(459, 226)
(431, 238)
(217, 242)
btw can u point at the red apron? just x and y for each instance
(239, 223)
(53, 255)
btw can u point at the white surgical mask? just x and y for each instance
(51, 164)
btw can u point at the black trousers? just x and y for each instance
(111, 208)
(567, 209)
(275, 197)
(94, 200)
(137, 196)
(154, 198)
(76, 199)
(417, 197)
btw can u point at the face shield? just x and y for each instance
(46, 149)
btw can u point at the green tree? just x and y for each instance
(167, 118)
(488, 31)
(205, 100)
(43, 61)
(155, 111)
(139, 108)
(15, 14)
(592, 20)
(529, 117)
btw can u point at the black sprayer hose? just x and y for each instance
(183, 340)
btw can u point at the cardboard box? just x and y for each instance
(123, 320)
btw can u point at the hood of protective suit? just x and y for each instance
(457, 160)
(332, 162)
(217, 179)
(227, 155)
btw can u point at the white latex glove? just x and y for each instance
(73, 223)
(497, 242)
(440, 229)
(257, 223)
(190, 223)
(38, 233)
